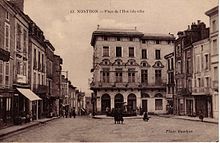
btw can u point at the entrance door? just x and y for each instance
(144, 106)
(189, 107)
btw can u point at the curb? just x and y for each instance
(27, 126)
(97, 117)
(173, 117)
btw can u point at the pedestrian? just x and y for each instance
(145, 118)
(201, 116)
(66, 113)
(74, 113)
(63, 113)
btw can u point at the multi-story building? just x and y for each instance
(129, 70)
(50, 105)
(214, 44)
(201, 83)
(37, 65)
(170, 89)
(72, 96)
(56, 84)
(80, 102)
(88, 105)
(184, 103)
(7, 48)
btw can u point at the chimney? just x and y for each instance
(18, 3)
(98, 27)
(135, 28)
(198, 21)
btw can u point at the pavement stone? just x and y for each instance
(16, 128)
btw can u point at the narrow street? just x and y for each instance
(85, 129)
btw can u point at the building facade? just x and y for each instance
(7, 48)
(214, 44)
(201, 82)
(56, 84)
(129, 70)
(184, 103)
(170, 88)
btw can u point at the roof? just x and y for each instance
(129, 33)
(156, 36)
(212, 11)
(115, 32)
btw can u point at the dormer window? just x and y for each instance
(157, 42)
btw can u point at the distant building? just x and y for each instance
(50, 103)
(56, 84)
(88, 102)
(72, 96)
(214, 43)
(170, 88)
(129, 70)
(184, 103)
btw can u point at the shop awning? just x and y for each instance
(29, 94)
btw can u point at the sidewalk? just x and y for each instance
(15, 128)
(108, 117)
(207, 120)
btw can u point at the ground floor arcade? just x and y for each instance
(132, 101)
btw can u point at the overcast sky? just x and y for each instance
(70, 33)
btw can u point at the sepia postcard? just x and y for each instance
(109, 71)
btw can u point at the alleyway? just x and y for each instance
(87, 129)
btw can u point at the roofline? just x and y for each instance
(212, 11)
(130, 34)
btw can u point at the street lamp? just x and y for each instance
(93, 104)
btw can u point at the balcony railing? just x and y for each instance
(114, 85)
(153, 85)
(127, 85)
(201, 90)
(40, 89)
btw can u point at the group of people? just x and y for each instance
(69, 112)
(118, 116)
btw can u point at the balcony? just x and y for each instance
(4, 55)
(40, 89)
(183, 91)
(153, 85)
(201, 91)
(114, 85)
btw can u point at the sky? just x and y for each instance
(70, 33)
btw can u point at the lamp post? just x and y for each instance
(93, 104)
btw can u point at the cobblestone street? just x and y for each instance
(86, 129)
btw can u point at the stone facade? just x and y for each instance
(184, 102)
(214, 44)
(129, 70)
(201, 83)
